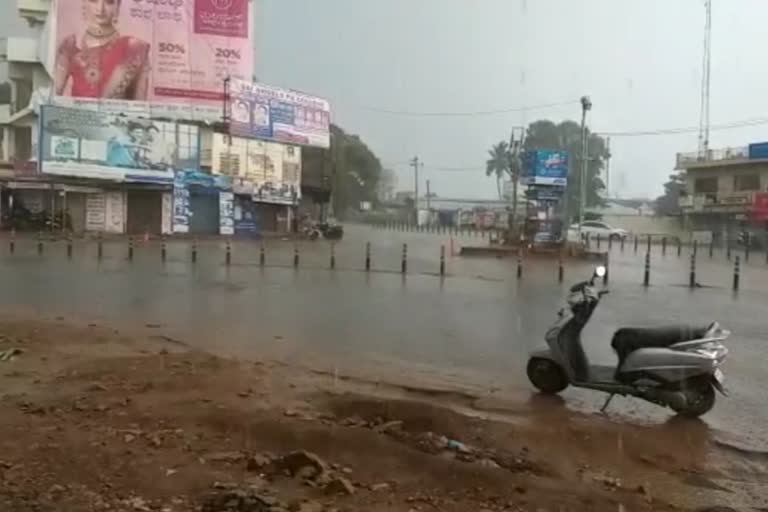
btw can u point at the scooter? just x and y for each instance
(675, 367)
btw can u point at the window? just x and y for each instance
(746, 182)
(705, 186)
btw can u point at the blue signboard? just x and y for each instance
(758, 151)
(545, 167)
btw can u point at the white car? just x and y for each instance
(596, 228)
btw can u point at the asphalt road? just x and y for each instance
(472, 329)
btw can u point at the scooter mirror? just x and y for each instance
(600, 271)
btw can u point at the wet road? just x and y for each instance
(472, 329)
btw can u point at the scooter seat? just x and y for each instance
(627, 340)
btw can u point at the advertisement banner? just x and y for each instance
(545, 167)
(167, 58)
(266, 112)
(182, 210)
(226, 213)
(270, 172)
(91, 144)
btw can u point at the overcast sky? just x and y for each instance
(639, 60)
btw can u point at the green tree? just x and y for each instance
(355, 171)
(566, 136)
(669, 203)
(498, 163)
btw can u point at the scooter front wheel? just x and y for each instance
(546, 375)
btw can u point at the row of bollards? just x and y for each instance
(692, 282)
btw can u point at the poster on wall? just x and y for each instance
(268, 171)
(181, 208)
(281, 115)
(90, 144)
(115, 218)
(226, 213)
(95, 212)
(164, 58)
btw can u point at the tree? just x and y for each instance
(669, 203)
(355, 171)
(498, 163)
(566, 136)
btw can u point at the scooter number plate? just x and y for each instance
(719, 377)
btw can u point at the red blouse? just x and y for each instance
(108, 71)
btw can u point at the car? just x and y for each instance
(596, 228)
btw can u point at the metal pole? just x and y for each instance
(415, 164)
(295, 256)
(607, 268)
(560, 270)
(664, 246)
(194, 250)
(333, 256)
(404, 261)
(519, 263)
(586, 105)
(163, 251)
(130, 248)
(228, 254)
(262, 256)
(647, 275)
(442, 260)
(736, 274)
(368, 256)
(99, 247)
(637, 237)
(692, 275)
(40, 242)
(679, 247)
(69, 247)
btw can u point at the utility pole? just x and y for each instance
(429, 198)
(705, 82)
(608, 168)
(586, 105)
(515, 167)
(415, 163)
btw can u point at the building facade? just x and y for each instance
(725, 190)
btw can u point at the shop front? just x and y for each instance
(144, 211)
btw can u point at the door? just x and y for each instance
(145, 212)
(205, 213)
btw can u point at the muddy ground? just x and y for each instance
(99, 419)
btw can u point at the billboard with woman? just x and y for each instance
(166, 58)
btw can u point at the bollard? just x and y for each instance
(262, 256)
(99, 247)
(636, 239)
(39, 243)
(163, 251)
(598, 240)
(622, 243)
(69, 248)
(664, 246)
(442, 260)
(736, 274)
(295, 256)
(679, 247)
(333, 256)
(607, 268)
(519, 263)
(130, 248)
(692, 275)
(12, 244)
(711, 248)
(368, 257)
(194, 250)
(647, 275)
(228, 254)
(404, 262)
(560, 270)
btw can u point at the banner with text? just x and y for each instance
(266, 112)
(91, 144)
(156, 58)
(269, 172)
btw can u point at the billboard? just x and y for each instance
(90, 144)
(545, 167)
(266, 112)
(160, 58)
(268, 171)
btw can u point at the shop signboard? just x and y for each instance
(269, 171)
(545, 167)
(265, 112)
(155, 58)
(89, 144)
(226, 213)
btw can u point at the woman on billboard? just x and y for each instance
(105, 64)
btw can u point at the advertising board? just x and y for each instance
(167, 58)
(90, 144)
(545, 167)
(270, 172)
(266, 112)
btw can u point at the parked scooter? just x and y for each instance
(676, 367)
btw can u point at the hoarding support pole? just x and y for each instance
(404, 261)
(130, 248)
(442, 260)
(295, 256)
(664, 246)
(263, 256)
(692, 275)
(39, 242)
(736, 274)
(647, 275)
(194, 250)
(368, 256)
(228, 254)
(333, 256)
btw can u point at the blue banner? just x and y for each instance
(545, 167)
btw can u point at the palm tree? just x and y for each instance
(498, 163)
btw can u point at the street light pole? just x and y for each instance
(586, 105)
(415, 163)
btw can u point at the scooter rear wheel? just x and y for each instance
(546, 375)
(699, 397)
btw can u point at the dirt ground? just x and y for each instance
(96, 419)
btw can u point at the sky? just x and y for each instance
(639, 61)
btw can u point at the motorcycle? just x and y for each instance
(675, 367)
